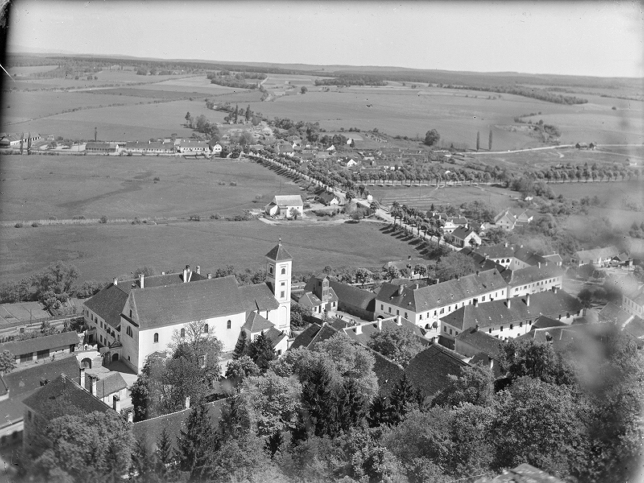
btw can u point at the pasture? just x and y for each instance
(102, 252)
(40, 187)
(105, 77)
(27, 70)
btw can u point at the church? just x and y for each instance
(129, 320)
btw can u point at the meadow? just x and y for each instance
(102, 252)
(40, 187)
(30, 69)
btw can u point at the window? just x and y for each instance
(229, 324)
(382, 307)
(270, 269)
(130, 313)
(520, 324)
(444, 329)
(389, 309)
(205, 328)
(501, 328)
(282, 294)
(421, 316)
(489, 331)
(283, 270)
(511, 326)
(406, 315)
(183, 332)
(397, 312)
(450, 331)
(128, 331)
(283, 284)
(156, 337)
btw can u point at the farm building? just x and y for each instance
(328, 198)
(151, 147)
(136, 318)
(42, 348)
(9, 141)
(285, 206)
(598, 257)
(194, 147)
(103, 384)
(465, 237)
(101, 148)
(451, 224)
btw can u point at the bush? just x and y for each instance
(195, 218)
(103, 219)
(18, 225)
(53, 218)
(35, 224)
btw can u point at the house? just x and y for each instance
(633, 301)
(61, 397)
(524, 473)
(133, 319)
(507, 319)
(533, 279)
(103, 384)
(598, 257)
(426, 305)
(10, 141)
(430, 370)
(465, 237)
(193, 147)
(355, 301)
(216, 148)
(511, 256)
(473, 341)
(42, 348)
(285, 206)
(318, 296)
(505, 220)
(101, 147)
(328, 198)
(451, 224)
(151, 147)
(18, 385)
(363, 332)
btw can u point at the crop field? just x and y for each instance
(282, 81)
(30, 69)
(106, 77)
(144, 91)
(102, 252)
(423, 197)
(125, 123)
(21, 106)
(197, 84)
(39, 187)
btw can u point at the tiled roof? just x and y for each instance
(256, 323)
(108, 304)
(524, 276)
(387, 372)
(176, 304)
(306, 337)
(615, 314)
(441, 294)
(484, 359)
(108, 382)
(461, 232)
(364, 332)
(307, 299)
(503, 250)
(408, 263)
(590, 255)
(524, 473)
(258, 297)
(29, 346)
(555, 257)
(354, 296)
(635, 327)
(543, 322)
(150, 430)
(482, 263)
(288, 200)
(480, 341)
(430, 369)
(62, 397)
(275, 335)
(490, 314)
(279, 253)
(327, 197)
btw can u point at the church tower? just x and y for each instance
(279, 266)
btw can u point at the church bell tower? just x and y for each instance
(279, 264)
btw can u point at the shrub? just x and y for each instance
(157, 179)
(53, 218)
(232, 183)
(18, 225)
(103, 219)
(195, 218)
(35, 224)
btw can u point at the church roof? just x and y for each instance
(279, 253)
(258, 297)
(256, 323)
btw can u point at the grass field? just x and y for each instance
(30, 69)
(19, 106)
(104, 77)
(39, 187)
(143, 91)
(103, 251)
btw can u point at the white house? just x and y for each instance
(285, 206)
(136, 318)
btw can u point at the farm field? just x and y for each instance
(196, 84)
(104, 77)
(610, 192)
(143, 91)
(39, 187)
(32, 105)
(30, 69)
(102, 252)
(423, 197)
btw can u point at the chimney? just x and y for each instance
(398, 320)
(130, 416)
(116, 281)
(509, 303)
(142, 280)
(527, 300)
(94, 381)
(491, 362)
(198, 270)
(82, 377)
(116, 403)
(187, 402)
(162, 273)
(185, 274)
(209, 276)
(539, 264)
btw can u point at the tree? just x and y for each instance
(478, 140)
(241, 368)
(475, 385)
(319, 401)
(454, 265)
(248, 113)
(188, 119)
(404, 398)
(236, 113)
(303, 90)
(400, 344)
(535, 359)
(144, 464)
(489, 143)
(56, 280)
(94, 447)
(194, 442)
(7, 362)
(246, 138)
(165, 455)
(300, 315)
(261, 351)
(432, 137)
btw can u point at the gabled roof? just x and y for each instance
(255, 323)
(480, 341)
(108, 382)
(429, 370)
(615, 314)
(63, 397)
(497, 312)
(29, 346)
(149, 431)
(108, 304)
(288, 200)
(524, 276)
(635, 327)
(363, 333)
(279, 253)
(306, 337)
(597, 253)
(307, 299)
(462, 233)
(275, 336)
(450, 292)
(186, 302)
(354, 296)
(543, 322)
(258, 297)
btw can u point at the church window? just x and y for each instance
(183, 332)
(282, 295)
(205, 328)
(283, 270)
(229, 324)
(156, 337)
(128, 331)
(270, 269)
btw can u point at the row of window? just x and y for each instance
(536, 284)
(490, 329)
(229, 325)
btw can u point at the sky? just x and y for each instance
(596, 38)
